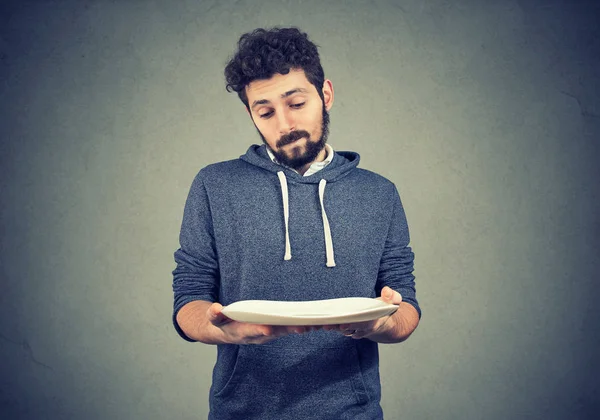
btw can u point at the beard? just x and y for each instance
(299, 157)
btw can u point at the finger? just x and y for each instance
(356, 326)
(266, 331)
(256, 334)
(397, 298)
(359, 335)
(348, 329)
(258, 338)
(293, 330)
(215, 316)
(280, 331)
(387, 294)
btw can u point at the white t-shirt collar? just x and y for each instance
(315, 167)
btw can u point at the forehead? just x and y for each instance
(277, 85)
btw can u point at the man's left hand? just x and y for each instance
(358, 330)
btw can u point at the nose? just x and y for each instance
(286, 122)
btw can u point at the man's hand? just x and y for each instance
(235, 332)
(376, 328)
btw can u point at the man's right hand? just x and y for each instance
(235, 332)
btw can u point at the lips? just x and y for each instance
(293, 141)
(292, 137)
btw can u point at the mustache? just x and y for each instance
(292, 137)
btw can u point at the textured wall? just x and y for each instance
(486, 114)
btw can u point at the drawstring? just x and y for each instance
(326, 229)
(286, 216)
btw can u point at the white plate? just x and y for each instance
(315, 312)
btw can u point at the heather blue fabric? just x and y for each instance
(232, 248)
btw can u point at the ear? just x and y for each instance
(328, 94)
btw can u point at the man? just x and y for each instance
(291, 220)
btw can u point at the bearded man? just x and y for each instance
(291, 220)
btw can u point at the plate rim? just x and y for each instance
(312, 319)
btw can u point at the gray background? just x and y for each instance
(486, 114)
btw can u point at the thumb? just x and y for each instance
(215, 316)
(397, 298)
(389, 295)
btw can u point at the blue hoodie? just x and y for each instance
(255, 230)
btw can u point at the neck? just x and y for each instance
(320, 158)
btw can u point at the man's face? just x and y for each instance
(291, 117)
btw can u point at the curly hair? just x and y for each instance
(262, 53)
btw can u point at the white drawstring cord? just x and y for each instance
(286, 214)
(326, 228)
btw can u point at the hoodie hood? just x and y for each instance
(342, 164)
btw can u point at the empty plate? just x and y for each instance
(315, 312)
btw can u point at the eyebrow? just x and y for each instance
(283, 96)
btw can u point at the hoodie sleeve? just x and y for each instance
(196, 276)
(396, 267)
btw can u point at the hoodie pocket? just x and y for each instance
(293, 377)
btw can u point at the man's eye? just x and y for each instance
(266, 114)
(300, 105)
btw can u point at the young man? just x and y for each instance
(291, 220)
